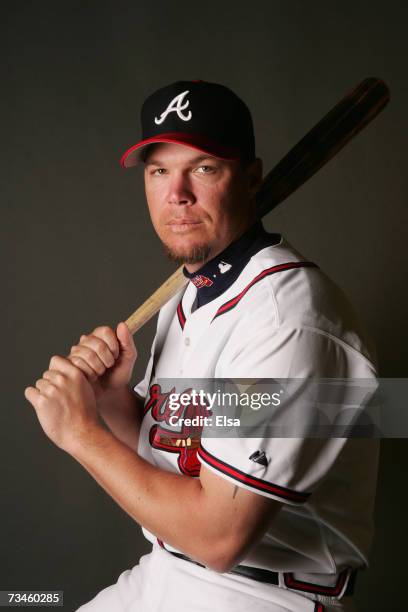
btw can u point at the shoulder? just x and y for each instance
(280, 289)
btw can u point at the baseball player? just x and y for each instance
(237, 522)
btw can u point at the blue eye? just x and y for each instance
(208, 169)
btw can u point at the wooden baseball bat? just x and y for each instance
(320, 144)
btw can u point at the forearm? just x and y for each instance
(171, 506)
(122, 412)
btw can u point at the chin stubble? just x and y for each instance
(198, 254)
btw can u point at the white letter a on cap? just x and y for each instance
(176, 105)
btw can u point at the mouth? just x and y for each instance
(183, 225)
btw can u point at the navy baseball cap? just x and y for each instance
(206, 116)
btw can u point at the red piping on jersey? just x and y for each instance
(253, 481)
(319, 589)
(319, 607)
(181, 317)
(267, 272)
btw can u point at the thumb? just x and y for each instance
(127, 345)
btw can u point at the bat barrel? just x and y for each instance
(323, 142)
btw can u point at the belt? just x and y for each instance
(263, 575)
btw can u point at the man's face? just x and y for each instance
(198, 204)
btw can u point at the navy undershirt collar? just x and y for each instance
(218, 274)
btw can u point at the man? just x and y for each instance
(261, 523)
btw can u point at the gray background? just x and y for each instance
(79, 249)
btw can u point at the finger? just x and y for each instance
(45, 387)
(55, 377)
(63, 365)
(32, 395)
(127, 343)
(90, 357)
(106, 333)
(84, 366)
(100, 347)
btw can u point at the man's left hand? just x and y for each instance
(65, 404)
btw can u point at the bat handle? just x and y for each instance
(164, 293)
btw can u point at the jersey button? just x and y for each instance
(187, 341)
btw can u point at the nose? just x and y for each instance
(180, 191)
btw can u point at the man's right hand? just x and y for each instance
(106, 357)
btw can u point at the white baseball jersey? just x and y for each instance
(280, 318)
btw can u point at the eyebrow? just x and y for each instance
(195, 160)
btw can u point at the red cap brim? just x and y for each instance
(132, 157)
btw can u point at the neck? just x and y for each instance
(218, 274)
(193, 267)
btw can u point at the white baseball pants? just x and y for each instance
(161, 582)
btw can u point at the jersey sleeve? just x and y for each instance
(287, 469)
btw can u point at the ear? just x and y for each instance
(254, 174)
